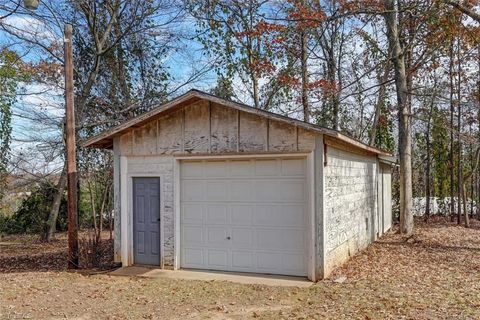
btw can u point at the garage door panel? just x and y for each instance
(293, 215)
(242, 260)
(192, 170)
(292, 190)
(268, 261)
(268, 215)
(241, 168)
(216, 169)
(217, 236)
(217, 214)
(280, 239)
(294, 263)
(242, 238)
(217, 190)
(241, 214)
(280, 215)
(296, 239)
(266, 167)
(192, 257)
(192, 190)
(293, 167)
(249, 215)
(241, 190)
(266, 191)
(217, 258)
(192, 213)
(192, 235)
(271, 239)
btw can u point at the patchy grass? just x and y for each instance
(433, 275)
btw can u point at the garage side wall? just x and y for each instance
(199, 129)
(350, 205)
(385, 185)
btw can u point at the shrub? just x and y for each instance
(33, 213)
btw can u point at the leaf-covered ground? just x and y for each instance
(433, 275)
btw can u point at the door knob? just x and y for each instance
(228, 238)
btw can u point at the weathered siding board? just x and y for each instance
(197, 128)
(350, 199)
(204, 128)
(145, 139)
(282, 137)
(125, 147)
(253, 133)
(170, 133)
(224, 129)
(306, 140)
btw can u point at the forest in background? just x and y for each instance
(402, 76)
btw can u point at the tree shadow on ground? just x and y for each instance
(429, 245)
(20, 255)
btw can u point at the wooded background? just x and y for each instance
(401, 75)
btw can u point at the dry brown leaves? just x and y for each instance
(27, 253)
(433, 275)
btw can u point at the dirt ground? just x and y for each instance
(433, 275)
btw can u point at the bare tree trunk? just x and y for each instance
(451, 155)
(428, 164)
(382, 94)
(110, 216)
(304, 67)
(92, 204)
(459, 129)
(427, 167)
(404, 124)
(256, 97)
(465, 180)
(57, 200)
(102, 211)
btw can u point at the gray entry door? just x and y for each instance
(146, 221)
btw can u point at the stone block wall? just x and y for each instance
(350, 205)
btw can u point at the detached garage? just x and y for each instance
(206, 183)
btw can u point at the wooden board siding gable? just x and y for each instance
(105, 139)
(209, 128)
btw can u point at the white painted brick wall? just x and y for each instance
(350, 204)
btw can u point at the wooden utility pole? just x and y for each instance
(71, 152)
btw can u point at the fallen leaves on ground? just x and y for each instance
(22, 253)
(433, 275)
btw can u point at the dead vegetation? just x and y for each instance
(433, 275)
(27, 253)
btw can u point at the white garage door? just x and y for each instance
(244, 215)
